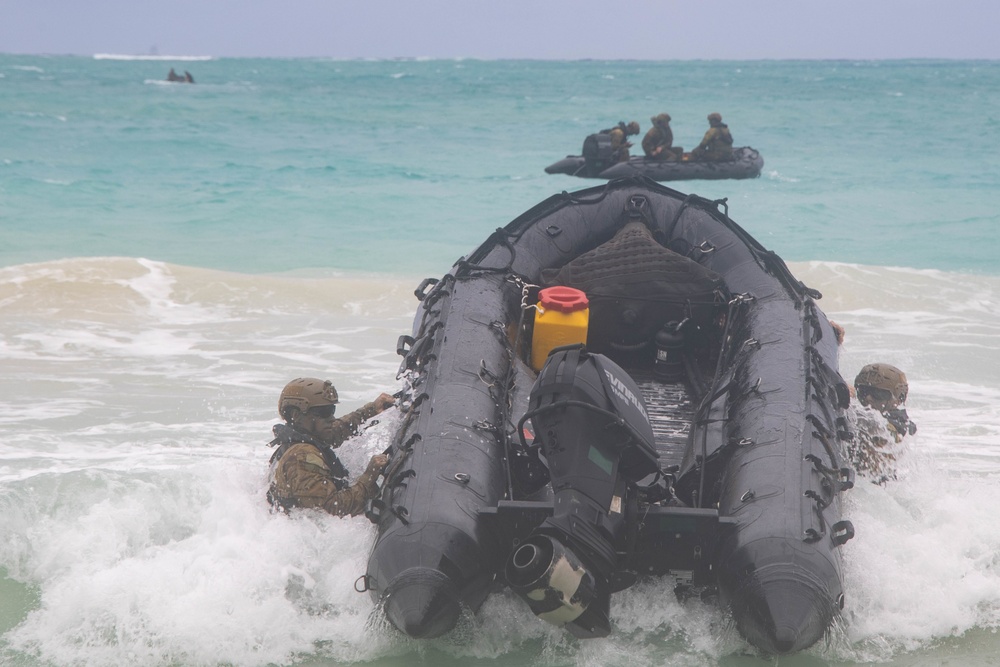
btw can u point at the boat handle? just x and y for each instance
(374, 510)
(403, 345)
(401, 513)
(421, 291)
(846, 478)
(842, 531)
(365, 582)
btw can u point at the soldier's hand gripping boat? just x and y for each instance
(694, 436)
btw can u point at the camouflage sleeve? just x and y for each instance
(650, 140)
(666, 136)
(301, 479)
(353, 500)
(617, 138)
(347, 426)
(706, 140)
(873, 451)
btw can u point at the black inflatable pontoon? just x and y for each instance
(746, 163)
(695, 436)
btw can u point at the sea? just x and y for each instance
(172, 254)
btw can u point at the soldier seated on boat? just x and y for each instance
(305, 471)
(717, 144)
(619, 139)
(658, 142)
(881, 389)
(177, 78)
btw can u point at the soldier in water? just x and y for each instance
(883, 423)
(305, 471)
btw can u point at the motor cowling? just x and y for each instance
(597, 153)
(590, 420)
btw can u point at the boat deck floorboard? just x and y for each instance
(671, 410)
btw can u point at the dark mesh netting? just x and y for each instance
(635, 286)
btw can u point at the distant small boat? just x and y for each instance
(746, 163)
(177, 78)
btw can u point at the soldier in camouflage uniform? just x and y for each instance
(659, 139)
(717, 144)
(619, 139)
(882, 423)
(305, 471)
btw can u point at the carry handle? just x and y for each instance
(846, 479)
(421, 291)
(841, 532)
(403, 345)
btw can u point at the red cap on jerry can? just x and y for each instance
(563, 299)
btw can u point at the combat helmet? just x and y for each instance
(660, 118)
(715, 116)
(632, 127)
(305, 393)
(881, 385)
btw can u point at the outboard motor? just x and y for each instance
(597, 153)
(590, 419)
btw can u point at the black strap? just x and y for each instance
(286, 436)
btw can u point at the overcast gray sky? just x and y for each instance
(561, 29)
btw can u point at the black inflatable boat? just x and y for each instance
(746, 163)
(694, 436)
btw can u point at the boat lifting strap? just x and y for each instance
(818, 425)
(525, 288)
(439, 288)
(501, 237)
(486, 376)
(820, 503)
(811, 534)
(813, 319)
(738, 299)
(818, 465)
(415, 352)
(702, 249)
(844, 475)
(755, 389)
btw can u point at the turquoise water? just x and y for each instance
(170, 255)
(402, 166)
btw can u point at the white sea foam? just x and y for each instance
(775, 175)
(140, 395)
(125, 56)
(926, 566)
(155, 557)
